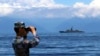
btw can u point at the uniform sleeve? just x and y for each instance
(30, 44)
(34, 42)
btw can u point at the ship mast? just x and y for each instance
(72, 28)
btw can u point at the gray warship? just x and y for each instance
(71, 30)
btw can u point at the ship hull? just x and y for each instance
(71, 32)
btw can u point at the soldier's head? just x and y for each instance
(19, 25)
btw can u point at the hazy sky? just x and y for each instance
(50, 8)
(71, 2)
(40, 12)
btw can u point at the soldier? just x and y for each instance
(21, 45)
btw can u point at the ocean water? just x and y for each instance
(86, 44)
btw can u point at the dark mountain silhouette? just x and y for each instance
(88, 24)
(51, 25)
